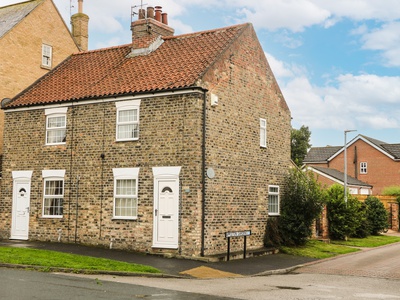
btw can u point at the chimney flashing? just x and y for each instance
(145, 51)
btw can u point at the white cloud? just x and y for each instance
(385, 39)
(349, 101)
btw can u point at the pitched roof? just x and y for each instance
(11, 15)
(391, 149)
(339, 176)
(324, 154)
(179, 62)
(321, 154)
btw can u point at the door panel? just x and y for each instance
(167, 210)
(20, 212)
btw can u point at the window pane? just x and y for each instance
(273, 206)
(127, 116)
(128, 131)
(56, 136)
(125, 207)
(126, 187)
(53, 187)
(53, 122)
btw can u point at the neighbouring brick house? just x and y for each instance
(372, 165)
(33, 39)
(162, 145)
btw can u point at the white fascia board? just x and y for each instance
(107, 99)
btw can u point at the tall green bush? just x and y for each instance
(344, 220)
(377, 215)
(301, 204)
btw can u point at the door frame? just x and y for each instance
(160, 174)
(20, 177)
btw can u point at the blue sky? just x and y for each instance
(337, 62)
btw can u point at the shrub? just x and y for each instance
(344, 220)
(272, 237)
(301, 204)
(391, 191)
(376, 214)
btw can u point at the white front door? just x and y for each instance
(166, 211)
(20, 209)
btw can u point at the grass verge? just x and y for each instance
(318, 249)
(369, 242)
(77, 263)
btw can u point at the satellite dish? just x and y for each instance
(5, 101)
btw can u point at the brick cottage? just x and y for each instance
(161, 146)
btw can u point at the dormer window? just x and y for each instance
(47, 54)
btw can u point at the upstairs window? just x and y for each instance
(263, 133)
(127, 120)
(125, 193)
(53, 193)
(363, 168)
(47, 53)
(273, 200)
(56, 126)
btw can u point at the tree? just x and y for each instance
(300, 140)
(301, 204)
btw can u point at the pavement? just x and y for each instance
(176, 267)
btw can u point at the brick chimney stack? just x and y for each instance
(80, 27)
(151, 24)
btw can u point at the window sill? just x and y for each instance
(52, 217)
(124, 218)
(127, 140)
(56, 144)
(45, 67)
(274, 214)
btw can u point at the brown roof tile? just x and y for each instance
(179, 62)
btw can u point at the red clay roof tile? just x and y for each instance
(179, 62)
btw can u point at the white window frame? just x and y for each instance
(50, 176)
(363, 168)
(123, 106)
(263, 133)
(273, 190)
(47, 55)
(126, 174)
(56, 113)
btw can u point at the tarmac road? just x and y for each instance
(27, 285)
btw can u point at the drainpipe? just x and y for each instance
(77, 208)
(203, 173)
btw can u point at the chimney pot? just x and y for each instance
(80, 6)
(142, 14)
(158, 13)
(164, 18)
(150, 12)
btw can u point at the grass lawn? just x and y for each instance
(369, 242)
(77, 263)
(318, 249)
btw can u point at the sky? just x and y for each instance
(337, 62)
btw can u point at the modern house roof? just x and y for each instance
(11, 15)
(325, 154)
(321, 154)
(179, 62)
(339, 176)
